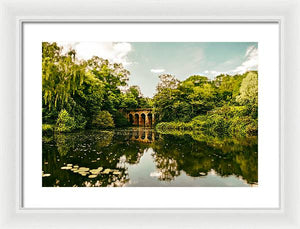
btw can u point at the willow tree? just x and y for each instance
(84, 88)
(62, 74)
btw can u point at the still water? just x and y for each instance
(142, 157)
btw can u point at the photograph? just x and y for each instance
(149, 114)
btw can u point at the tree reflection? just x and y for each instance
(167, 167)
(114, 151)
(198, 158)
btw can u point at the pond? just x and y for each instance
(142, 157)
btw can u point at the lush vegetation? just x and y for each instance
(226, 106)
(84, 94)
(79, 94)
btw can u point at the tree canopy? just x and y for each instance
(200, 102)
(84, 88)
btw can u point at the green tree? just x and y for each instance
(133, 98)
(249, 90)
(62, 75)
(249, 93)
(82, 88)
(65, 123)
(103, 120)
(226, 106)
(113, 77)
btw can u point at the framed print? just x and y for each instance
(149, 115)
(164, 118)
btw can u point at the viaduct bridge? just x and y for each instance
(141, 117)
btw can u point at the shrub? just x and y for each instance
(80, 122)
(174, 126)
(120, 120)
(217, 125)
(65, 123)
(220, 122)
(103, 120)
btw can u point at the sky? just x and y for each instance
(147, 60)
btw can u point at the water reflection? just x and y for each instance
(143, 157)
(142, 135)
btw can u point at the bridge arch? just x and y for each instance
(141, 117)
(150, 118)
(136, 119)
(130, 119)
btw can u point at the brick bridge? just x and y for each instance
(141, 116)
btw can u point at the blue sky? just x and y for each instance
(147, 60)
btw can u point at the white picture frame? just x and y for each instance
(12, 216)
(265, 196)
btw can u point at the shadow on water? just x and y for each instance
(142, 157)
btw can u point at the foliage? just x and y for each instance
(225, 106)
(133, 98)
(230, 121)
(249, 93)
(224, 121)
(103, 120)
(84, 88)
(228, 87)
(65, 123)
(163, 126)
(61, 75)
(194, 96)
(249, 90)
(48, 128)
(120, 120)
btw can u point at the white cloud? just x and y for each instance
(114, 52)
(211, 74)
(157, 70)
(251, 61)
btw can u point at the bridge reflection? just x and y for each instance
(145, 135)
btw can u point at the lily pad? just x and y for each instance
(84, 169)
(92, 176)
(69, 165)
(46, 175)
(95, 171)
(66, 167)
(106, 171)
